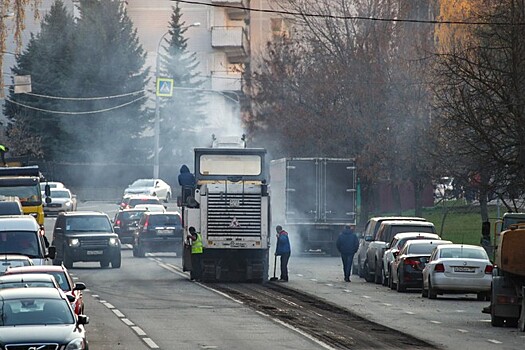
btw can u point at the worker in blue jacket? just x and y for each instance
(283, 249)
(347, 244)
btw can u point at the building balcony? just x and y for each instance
(234, 13)
(224, 81)
(232, 40)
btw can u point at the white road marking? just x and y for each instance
(409, 313)
(95, 296)
(138, 330)
(386, 304)
(485, 321)
(205, 306)
(209, 346)
(118, 313)
(329, 284)
(435, 322)
(108, 305)
(367, 297)
(313, 280)
(299, 275)
(459, 311)
(494, 341)
(462, 330)
(128, 322)
(347, 290)
(150, 343)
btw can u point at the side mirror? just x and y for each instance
(82, 319)
(70, 298)
(369, 238)
(387, 246)
(48, 200)
(47, 190)
(51, 252)
(79, 286)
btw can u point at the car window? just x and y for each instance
(26, 284)
(62, 280)
(142, 183)
(164, 220)
(60, 194)
(34, 311)
(425, 248)
(88, 224)
(20, 242)
(411, 228)
(463, 253)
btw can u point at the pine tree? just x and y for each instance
(182, 114)
(47, 61)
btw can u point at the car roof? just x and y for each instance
(26, 277)
(13, 257)
(427, 241)
(138, 210)
(18, 222)
(402, 235)
(37, 292)
(141, 196)
(407, 222)
(460, 245)
(391, 218)
(36, 268)
(156, 213)
(82, 213)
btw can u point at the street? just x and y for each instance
(150, 303)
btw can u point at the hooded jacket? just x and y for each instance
(283, 244)
(347, 242)
(185, 177)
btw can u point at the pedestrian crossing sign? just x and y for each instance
(164, 87)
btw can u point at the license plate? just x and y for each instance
(165, 232)
(463, 269)
(95, 252)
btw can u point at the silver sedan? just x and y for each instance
(457, 269)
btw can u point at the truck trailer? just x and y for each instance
(313, 198)
(229, 206)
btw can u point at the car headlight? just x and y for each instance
(67, 204)
(113, 241)
(77, 344)
(74, 242)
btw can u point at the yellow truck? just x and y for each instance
(24, 183)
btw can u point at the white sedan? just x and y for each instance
(150, 187)
(61, 200)
(457, 269)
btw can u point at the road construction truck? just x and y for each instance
(313, 198)
(507, 305)
(229, 206)
(24, 183)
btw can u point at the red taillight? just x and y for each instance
(146, 224)
(488, 269)
(439, 268)
(412, 262)
(117, 223)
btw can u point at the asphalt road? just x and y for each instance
(150, 304)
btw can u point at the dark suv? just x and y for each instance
(158, 232)
(85, 236)
(125, 223)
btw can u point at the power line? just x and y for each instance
(85, 98)
(347, 17)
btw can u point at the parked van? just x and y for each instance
(21, 234)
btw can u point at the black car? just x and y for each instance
(158, 232)
(85, 236)
(40, 318)
(125, 223)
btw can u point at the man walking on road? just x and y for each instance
(347, 244)
(283, 250)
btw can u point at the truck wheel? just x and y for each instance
(512, 322)
(68, 262)
(368, 276)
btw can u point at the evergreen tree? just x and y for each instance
(109, 61)
(182, 114)
(47, 61)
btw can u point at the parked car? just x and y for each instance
(368, 235)
(14, 260)
(63, 278)
(407, 268)
(458, 268)
(152, 207)
(10, 205)
(373, 265)
(396, 244)
(151, 187)
(85, 236)
(125, 223)
(158, 232)
(40, 318)
(130, 201)
(28, 280)
(61, 200)
(21, 234)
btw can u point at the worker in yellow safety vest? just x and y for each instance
(196, 253)
(3, 149)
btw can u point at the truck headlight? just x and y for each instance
(74, 242)
(113, 241)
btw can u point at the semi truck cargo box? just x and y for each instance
(313, 190)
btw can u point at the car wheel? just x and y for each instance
(378, 273)
(432, 294)
(424, 292)
(116, 261)
(67, 260)
(141, 251)
(384, 279)
(104, 263)
(360, 271)
(368, 276)
(135, 251)
(391, 283)
(400, 287)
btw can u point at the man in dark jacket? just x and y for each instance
(347, 244)
(185, 177)
(283, 250)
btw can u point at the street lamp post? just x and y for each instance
(157, 105)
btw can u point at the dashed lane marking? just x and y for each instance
(138, 330)
(367, 297)
(313, 280)
(329, 284)
(409, 313)
(347, 291)
(106, 304)
(386, 304)
(494, 341)
(462, 330)
(299, 275)
(435, 322)
(149, 342)
(118, 313)
(128, 322)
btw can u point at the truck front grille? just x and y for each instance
(232, 214)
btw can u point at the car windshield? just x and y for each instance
(28, 195)
(88, 224)
(37, 311)
(60, 194)
(400, 228)
(20, 242)
(27, 284)
(164, 220)
(62, 280)
(425, 248)
(5, 263)
(143, 183)
(468, 253)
